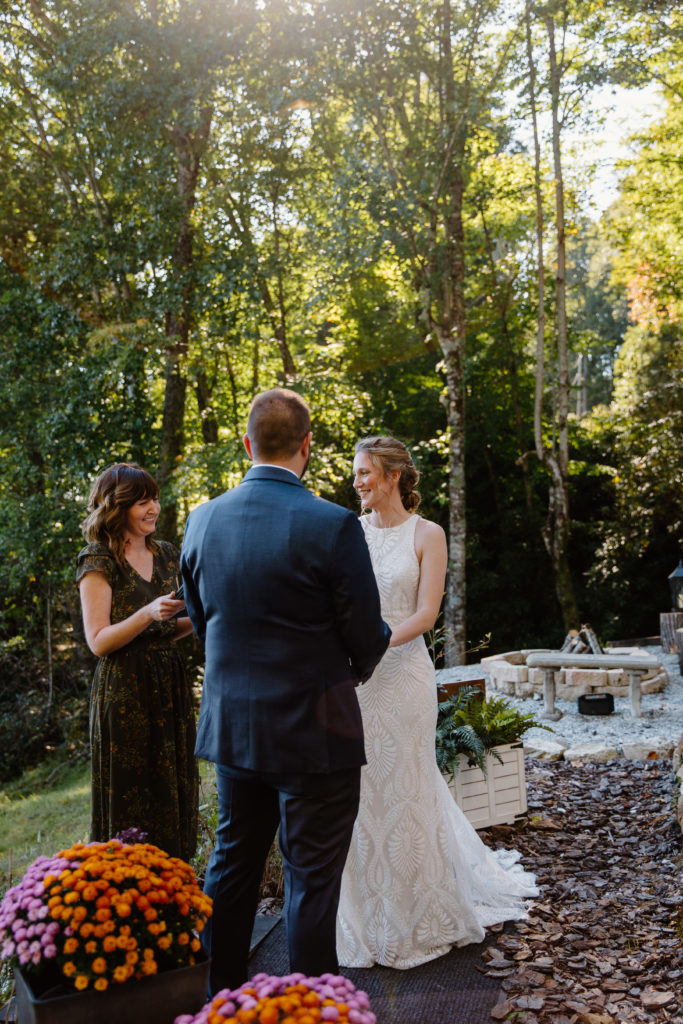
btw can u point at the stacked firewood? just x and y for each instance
(581, 641)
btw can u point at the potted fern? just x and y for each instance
(479, 750)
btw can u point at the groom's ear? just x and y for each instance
(247, 444)
(306, 444)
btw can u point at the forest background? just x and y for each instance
(387, 206)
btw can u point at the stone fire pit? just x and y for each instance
(509, 674)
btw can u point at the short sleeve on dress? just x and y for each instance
(96, 558)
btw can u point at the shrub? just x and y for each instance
(474, 725)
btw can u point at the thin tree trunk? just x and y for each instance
(540, 258)
(561, 273)
(288, 366)
(255, 361)
(276, 315)
(190, 147)
(455, 609)
(451, 335)
(172, 439)
(275, 312)
(503, 297)
(233, 395)
(556, 459)
(209, 424)
(559, 521)
(50, 669)
(581, 385)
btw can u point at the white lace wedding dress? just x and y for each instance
(418, 878)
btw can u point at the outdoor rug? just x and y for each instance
(449, 990)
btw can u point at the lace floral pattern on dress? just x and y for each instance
(418, 879)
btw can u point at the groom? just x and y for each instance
(280, 586)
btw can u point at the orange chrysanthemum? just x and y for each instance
(113, 902)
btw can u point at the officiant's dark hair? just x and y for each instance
(115, 490)
(278, 422)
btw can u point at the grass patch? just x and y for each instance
(45, 810)
(48, 808)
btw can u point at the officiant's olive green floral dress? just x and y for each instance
(142, 723)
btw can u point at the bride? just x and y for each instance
(418, 879)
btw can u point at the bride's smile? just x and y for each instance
(371, 485)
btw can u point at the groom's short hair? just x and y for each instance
(278, 422)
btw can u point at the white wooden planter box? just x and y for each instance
(499, 798)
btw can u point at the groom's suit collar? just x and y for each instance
(267, 472)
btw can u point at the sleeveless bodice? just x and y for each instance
(396, 567)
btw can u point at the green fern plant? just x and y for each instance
(474, 725)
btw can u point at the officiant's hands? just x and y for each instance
(167, 606)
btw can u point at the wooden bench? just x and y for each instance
(635, 666)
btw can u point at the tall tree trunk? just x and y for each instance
(275, 311)
(276, 315)
(455, 609)
(503, 302)
(556, 459)
(540, 257)
(233, 395)
(559, 520)
(451, 335)
(48, 631)
(280, 322)
(190, 147)
(172, 437)
(209, 424)
(437, 261)
(561, 272)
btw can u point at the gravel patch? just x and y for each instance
(662, 712)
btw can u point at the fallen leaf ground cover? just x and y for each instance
(602, 944)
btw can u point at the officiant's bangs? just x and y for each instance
(279, 421)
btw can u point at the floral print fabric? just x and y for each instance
(142, 722)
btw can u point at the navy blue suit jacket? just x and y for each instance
(279, 585)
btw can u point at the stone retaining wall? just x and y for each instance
(552, 748)
(508, 673)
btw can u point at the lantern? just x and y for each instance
(676, 588)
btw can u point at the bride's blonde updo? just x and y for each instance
(390, 455)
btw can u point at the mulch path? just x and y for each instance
(603, 941)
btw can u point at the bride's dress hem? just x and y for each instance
(404, 965)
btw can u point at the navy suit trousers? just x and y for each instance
(315, 814)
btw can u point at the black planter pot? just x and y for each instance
(158, 999)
